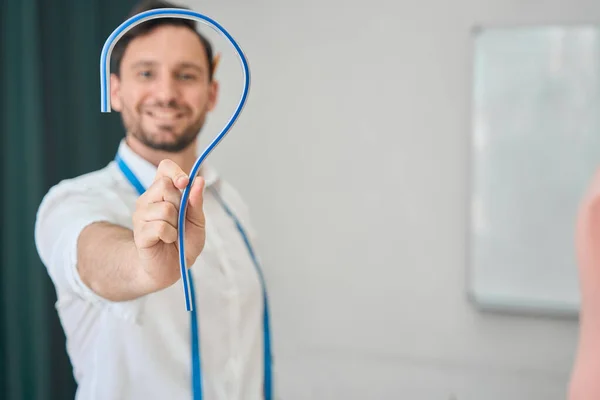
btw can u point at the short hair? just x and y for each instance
(147, 26)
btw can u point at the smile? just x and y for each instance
(164, 115)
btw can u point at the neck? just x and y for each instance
(185, 158)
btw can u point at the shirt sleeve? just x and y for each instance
(64, 212)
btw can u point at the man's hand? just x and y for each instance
(155, 225)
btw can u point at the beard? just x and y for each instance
(182, 139)
(180, 143)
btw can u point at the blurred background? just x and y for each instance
(359, 154)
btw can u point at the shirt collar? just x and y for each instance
(146, 171)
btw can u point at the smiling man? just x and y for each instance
(109, 241)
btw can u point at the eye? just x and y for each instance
(186, 77)
(145, 74)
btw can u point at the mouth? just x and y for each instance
(164, 115)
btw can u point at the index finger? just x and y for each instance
(169, 169)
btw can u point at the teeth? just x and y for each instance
(163, 115)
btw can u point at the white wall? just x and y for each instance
(353, 155)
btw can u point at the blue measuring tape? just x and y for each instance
(196, 365)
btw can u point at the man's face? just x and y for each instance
(163, 92)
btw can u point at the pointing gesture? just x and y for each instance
(155, 224)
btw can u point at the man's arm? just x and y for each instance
(108, 263)
(86, 252)
(120, 264)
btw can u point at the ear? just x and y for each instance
(213, 94)
(215, 63)
(213, 91)
(115, 93)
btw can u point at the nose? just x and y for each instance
(166, 90)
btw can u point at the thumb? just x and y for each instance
(195, 213)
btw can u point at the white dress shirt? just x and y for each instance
(140, 349)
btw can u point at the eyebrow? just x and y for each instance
(143, 64)
(192, 66)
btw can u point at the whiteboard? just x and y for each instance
(535, 146)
